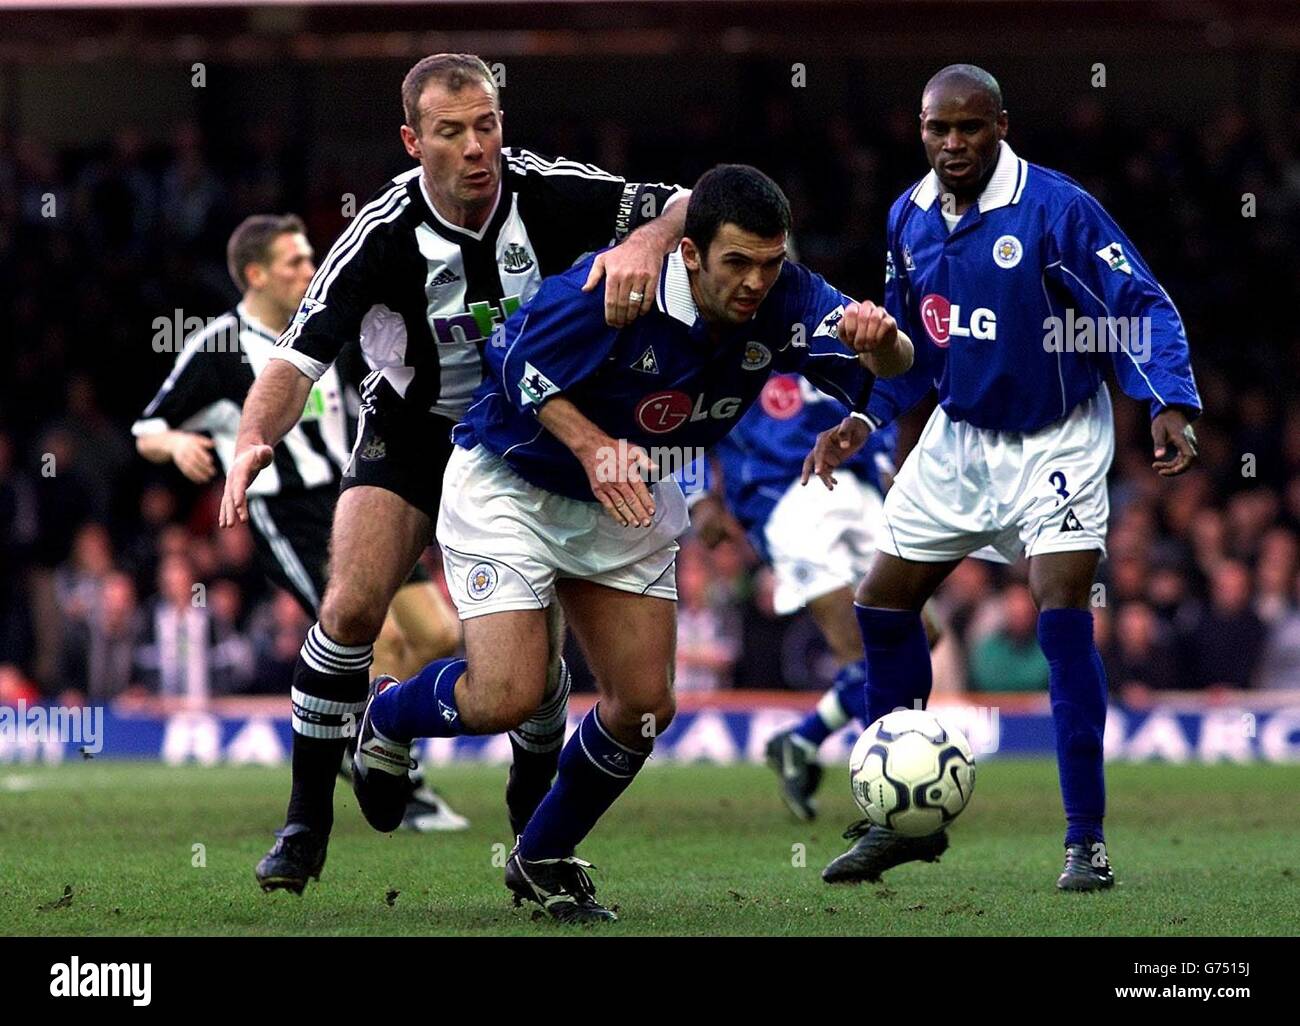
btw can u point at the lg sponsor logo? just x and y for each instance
(943, 321)
(666, 411)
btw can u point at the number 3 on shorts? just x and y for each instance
(1058, 481)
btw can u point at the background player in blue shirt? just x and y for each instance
(1020, 292)
(818, 546)
(575, 416)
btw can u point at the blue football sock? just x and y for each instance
(898, 660)
(594, 770)
(1078, 688)
(846, 700)
(424, 706)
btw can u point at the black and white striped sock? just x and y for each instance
(329, 696)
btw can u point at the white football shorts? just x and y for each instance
(964, 488)
(821, 541)
(505, 542)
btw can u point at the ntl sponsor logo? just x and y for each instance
(686, 463)
(476, 324)
(103, 979)
(1085, 334)
(943, 321)
(21, 727)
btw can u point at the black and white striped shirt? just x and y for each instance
(423, 295)
(206, 390)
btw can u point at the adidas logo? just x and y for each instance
(1071, 522)
(444, 277)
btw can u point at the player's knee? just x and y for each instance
(1062, 595)
(349, 620)
(636, 721)
(497, 700)
(879, 595)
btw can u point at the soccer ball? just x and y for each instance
(910, 773)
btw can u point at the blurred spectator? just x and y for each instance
(708, 635)
(186, 651)
(1226, 642)
(99, 652)
(1141, 651)
(1276, 576)
(77, 583)
(277, 631)
(1280, 664)
(1009, 658)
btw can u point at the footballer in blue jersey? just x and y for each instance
(1020, 292)
(561, 489)
(817, 545)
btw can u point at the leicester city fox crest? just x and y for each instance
(481, 581)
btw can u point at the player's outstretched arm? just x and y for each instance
(632, 267)
(189, 450)
(882, 347)
(273, 406)
(615, 470)
(833, 447)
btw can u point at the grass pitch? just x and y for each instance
(688, 850)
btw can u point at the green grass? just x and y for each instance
(688, 850)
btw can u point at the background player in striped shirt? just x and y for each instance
(195, 415)
(421, 279)
(1017, 286)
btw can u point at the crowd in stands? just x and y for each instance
(114, 580)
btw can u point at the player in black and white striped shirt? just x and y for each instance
(291, 505)
(422, 277)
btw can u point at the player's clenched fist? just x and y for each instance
(833, 447)
(234, 500)
(870, 331)
(867, 327)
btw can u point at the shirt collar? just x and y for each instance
(1004, 187)
(675, 297)
(476, 235)
(242, 309)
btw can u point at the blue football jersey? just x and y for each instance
(662, 382)
(764, 455)
(1017, 311)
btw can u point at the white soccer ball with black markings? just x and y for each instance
(910, 773)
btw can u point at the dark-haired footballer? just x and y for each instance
(551, 496)
(994, 263)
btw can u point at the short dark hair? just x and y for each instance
(453, 70)
(971, 74)
(735, 194)
(250, 243)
